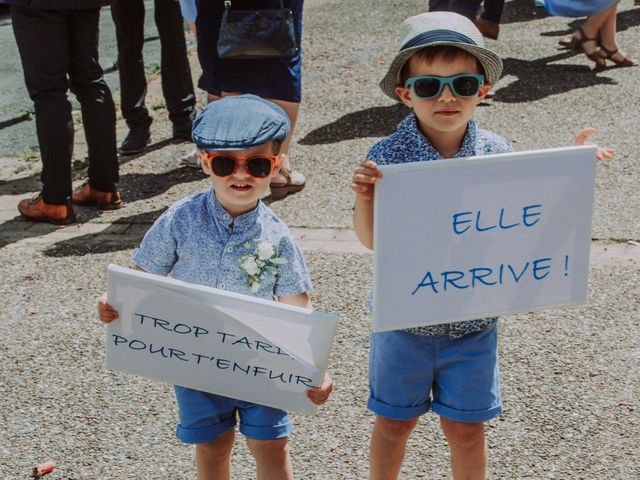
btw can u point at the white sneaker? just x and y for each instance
(191, 159)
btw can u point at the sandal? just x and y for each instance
(595, 55)
(617, 57)
(575, 41)
(295, 183)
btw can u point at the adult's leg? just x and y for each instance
(128, 17)
(468, 448)
(388, 444)
(272, 458)
(608, 33)
(287, 174)
(594, 23)
(438, 5)
(292, 109)
(492, 11)
(213, 459)
(609, 41)
(591, 31)
(45, 72)
(177, 85)
(468, 8)
(98, 110)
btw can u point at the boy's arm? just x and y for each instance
(365, 177)
(299, 300)
(317, 395)
(583, 136)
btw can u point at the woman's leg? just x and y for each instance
(609, 41)
(296, 178)
(593, 24)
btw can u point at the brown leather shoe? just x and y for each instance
(90, 197)
(35, 209)
(488, 29)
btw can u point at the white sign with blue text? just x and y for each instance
(216, 341)
(468, 238)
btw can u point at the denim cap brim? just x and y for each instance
(440, 28)
(239, 122)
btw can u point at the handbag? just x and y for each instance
(247, 34)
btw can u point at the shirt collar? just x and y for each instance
(224, 220)
(409, 127)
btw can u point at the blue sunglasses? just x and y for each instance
(466, 85)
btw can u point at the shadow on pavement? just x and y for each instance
(32, 182)
(15, 120)
(18, 228)
(134, 187)
(152, 147)
(550, 79)
(140, 186)
(112, 239)
(371, 122)
(20, 185)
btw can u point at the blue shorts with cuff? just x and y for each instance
(205, 416)
(456, 377)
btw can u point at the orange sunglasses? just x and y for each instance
(258, 166)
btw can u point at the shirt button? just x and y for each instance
(228, 249)
(221, 286)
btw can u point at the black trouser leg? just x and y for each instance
(98, 110)
(493, 10)
(177, 85)
(468, 8)
(42, 37)
(128, 17)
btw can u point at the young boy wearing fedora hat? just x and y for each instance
(206, 239)
(442, 72)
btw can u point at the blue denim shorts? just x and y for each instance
(205, 416)
(456, 377)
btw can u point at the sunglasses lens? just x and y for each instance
(259, 167)
(223, 166)
(426, 87)
(466, 86)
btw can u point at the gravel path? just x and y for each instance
(570, 378)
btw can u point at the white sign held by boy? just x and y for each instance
(217, 341)
(477, 237)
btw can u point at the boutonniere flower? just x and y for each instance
(262, 262)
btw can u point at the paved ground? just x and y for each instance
(570, 377)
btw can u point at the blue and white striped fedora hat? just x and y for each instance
(440, 28)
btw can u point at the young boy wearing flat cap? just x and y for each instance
(202, 239)
(442, 72)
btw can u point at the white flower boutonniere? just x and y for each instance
(261, 263)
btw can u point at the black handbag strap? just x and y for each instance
(227, 4)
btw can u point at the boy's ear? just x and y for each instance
(485, 88)
(204, 163)
(404, 94)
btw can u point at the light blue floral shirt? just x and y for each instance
(408, 144)
(197, 241)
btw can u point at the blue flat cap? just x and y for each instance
(239, 122)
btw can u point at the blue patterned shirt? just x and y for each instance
(408, 144)
(197, 241)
